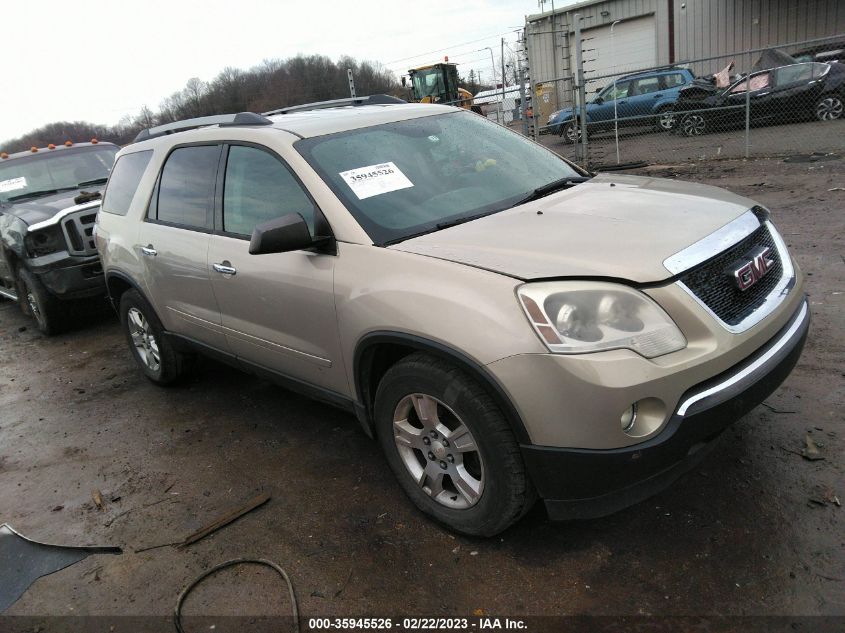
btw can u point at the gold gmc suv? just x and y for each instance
(505, 324)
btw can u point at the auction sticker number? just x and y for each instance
(375, 180)
(13, 184)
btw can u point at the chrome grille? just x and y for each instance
(713, 285)
(79, 232)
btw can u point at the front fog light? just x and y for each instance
(629, 418)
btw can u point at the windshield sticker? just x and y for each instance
(375, 180)
(13, 184)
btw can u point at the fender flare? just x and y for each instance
(362, 365)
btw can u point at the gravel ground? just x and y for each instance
(754, 531)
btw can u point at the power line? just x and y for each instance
(440, 50)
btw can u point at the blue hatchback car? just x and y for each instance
(634, 96)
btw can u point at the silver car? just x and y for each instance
(505, 324)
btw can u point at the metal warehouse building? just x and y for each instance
(651, 33)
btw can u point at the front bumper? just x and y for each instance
(585, 483)
(69, 276)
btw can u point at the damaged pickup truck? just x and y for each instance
(49, 199)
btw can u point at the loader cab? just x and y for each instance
(437, 83)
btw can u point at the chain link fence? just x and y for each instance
(758, 102)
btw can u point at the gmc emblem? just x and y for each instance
(752, 268)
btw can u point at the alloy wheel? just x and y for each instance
(829, 109)
(143, 339)
(693, 125)
(439, 451)
(666, 120)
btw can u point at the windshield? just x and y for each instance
(428, 83)
(406, 178)
(54, 169)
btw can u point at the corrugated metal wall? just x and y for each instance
(706, 28)
(702, 28)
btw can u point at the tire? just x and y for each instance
(829, 107)
(570, 132)
(693, 125)
(472, 449)
(36, 301)
(667, 121)
(156, 357)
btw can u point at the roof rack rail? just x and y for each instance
(378, 99)
(223, 120)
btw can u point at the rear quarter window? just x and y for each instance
(124, 180)
(186, 187)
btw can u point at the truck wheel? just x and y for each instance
(36, 301)
(450, 447)
(156, 357)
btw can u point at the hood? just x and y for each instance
(39, 209)
(561, 115)
(613, 226)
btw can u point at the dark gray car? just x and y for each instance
(49, 198)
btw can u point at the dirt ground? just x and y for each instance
(756, 530)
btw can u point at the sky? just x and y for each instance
(98, 61)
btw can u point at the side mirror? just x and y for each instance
(404, 81)
(281, 235)
(598, 100)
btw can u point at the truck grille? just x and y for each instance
(79, 231)
(712, 282)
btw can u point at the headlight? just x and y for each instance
(574, 317)
(553, 115)
(45, 241)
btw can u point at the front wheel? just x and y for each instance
(829, 108)
(571, 132)
(36, 301)
(693, 125)
(450, 447)
(156, 357)
(666, 120)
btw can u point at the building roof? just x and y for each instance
(568, 8)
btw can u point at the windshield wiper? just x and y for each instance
(457, 221)
(33, 194)
(555, 185)
(95, 181)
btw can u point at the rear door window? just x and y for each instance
(258, 188)
(124, 180)
(674, 80)
(644, 86)
(796, 73)
(186, 187)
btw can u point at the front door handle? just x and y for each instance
(225, 268)
(149, 251)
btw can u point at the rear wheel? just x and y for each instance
(450, 446)
(693, 125)
(36, 301)
(829, 108)
(156, 357)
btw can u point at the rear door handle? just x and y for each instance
(149, 251)
(225, 268)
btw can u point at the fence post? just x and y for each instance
(351, 83)
(748, 109)
(523, 104)
(582, 90)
